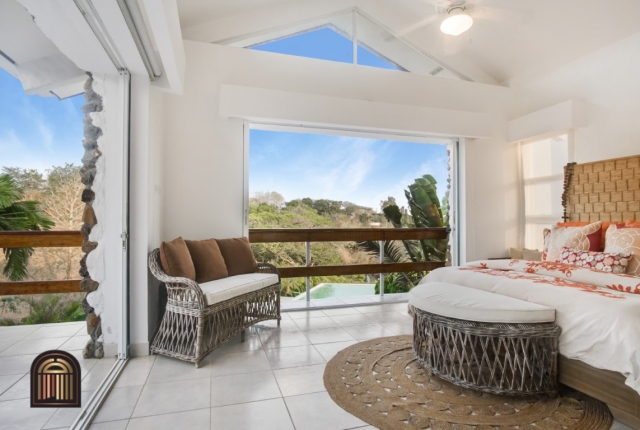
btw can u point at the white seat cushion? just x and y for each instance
(227, 288)
(456, 301)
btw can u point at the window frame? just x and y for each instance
(456, 217)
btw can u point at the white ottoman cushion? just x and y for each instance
(456, 301)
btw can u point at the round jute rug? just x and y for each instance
(380, 382)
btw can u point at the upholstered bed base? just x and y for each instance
(604, 385)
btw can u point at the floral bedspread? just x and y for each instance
(599, 313)
(562, 274)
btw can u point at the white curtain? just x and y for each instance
(542, 167)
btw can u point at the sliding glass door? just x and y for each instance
(327, 207)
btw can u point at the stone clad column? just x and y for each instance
(94, 348)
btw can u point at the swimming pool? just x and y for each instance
(326, 290)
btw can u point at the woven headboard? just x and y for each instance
(606, 190)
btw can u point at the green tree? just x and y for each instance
(16, 215)
(388, 202)
(424, 211)
(27, 180)
(305, 213)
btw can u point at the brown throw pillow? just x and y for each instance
(238, 256)
(176, 260)
(207, 260)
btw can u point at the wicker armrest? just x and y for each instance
(268, 268)
(180, 291)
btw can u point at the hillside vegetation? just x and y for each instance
(57, 197)
(270, 210)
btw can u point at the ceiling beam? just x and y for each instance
(165, 26)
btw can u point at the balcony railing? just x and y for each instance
(62, 239)
(40, 239)
(349, 235)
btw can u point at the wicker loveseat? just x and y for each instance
(200, 317)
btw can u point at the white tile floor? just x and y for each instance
(274, 380)
(271, 381)
(18, 347)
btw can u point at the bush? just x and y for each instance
(397, 282)
(48, 309)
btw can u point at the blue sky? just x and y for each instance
(324, 44)
(362, 171)
(359, 170)
(37, 132)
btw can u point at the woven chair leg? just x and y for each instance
(278, 307)
(242, 334)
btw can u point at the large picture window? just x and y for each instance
(303, 180)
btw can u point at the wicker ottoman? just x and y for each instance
(485, 341)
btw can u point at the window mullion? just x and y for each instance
(354, 31)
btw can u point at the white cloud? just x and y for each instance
(351, 169)
(10, 143)
(46, 134)
(16, 153)
(352, 163)
(436, 167)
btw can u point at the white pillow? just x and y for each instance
(585, 238)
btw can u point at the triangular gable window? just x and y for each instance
(332, 38)
(323, 44)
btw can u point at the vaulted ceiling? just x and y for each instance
(509, 38)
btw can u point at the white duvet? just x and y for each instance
(600, 321)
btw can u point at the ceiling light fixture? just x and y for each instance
(457, 22)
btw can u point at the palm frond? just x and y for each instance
(9, 191)
(395, 253)
(424, 211)
(35, 219)
(16, 215)
(17, 260)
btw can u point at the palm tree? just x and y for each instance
(424, 211)
(17, 215)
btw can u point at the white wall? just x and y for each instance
(145, 220)
(608, 81)
(145, 217)
(155, 195)
(203, 172)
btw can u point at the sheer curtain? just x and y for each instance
(542, 167)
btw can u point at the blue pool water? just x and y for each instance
(325, 291)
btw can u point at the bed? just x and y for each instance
(599, 313)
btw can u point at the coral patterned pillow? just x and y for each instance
(625, 240)
(585, 238)
(601, 261)
(605, 226)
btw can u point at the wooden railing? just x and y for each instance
(58, 239)
(40, 239)
(349, 235)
